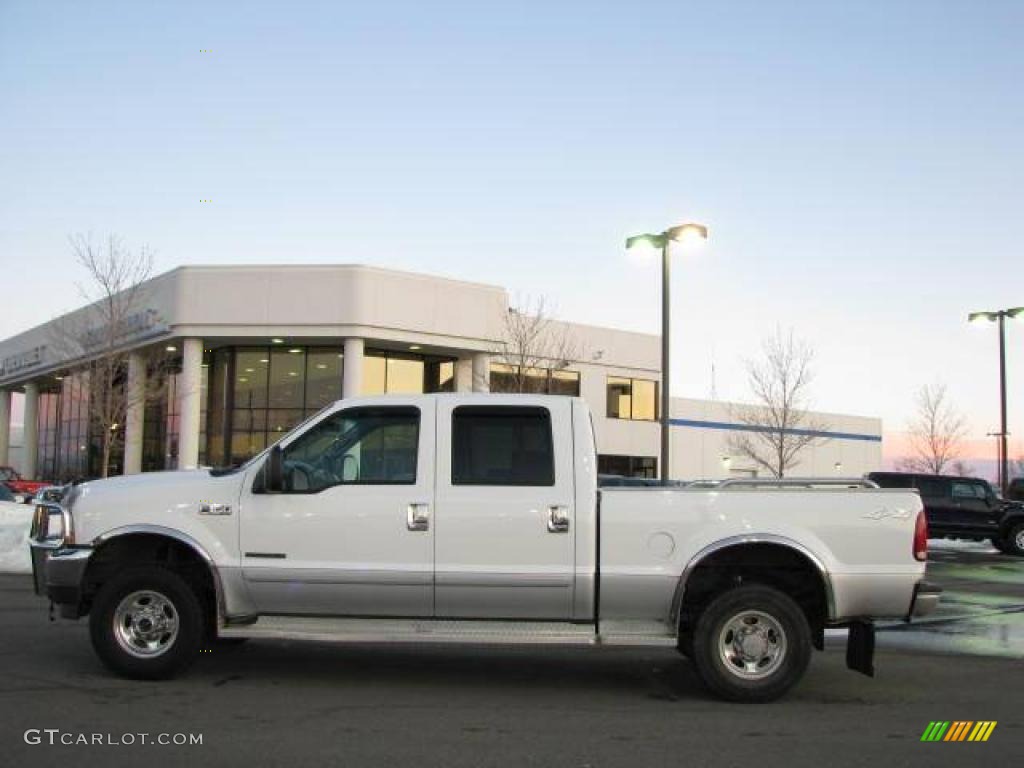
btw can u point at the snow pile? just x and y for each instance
(15, 521)
(960, 545)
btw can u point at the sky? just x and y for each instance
(859, 166)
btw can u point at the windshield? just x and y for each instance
(5, 493)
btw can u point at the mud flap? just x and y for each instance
(860, 648)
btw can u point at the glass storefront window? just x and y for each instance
(375, 375)
(287, 377)
(251, 373)
(505, 378)
(280, 422)
(401, 373)
(645, 400)
(323, 378)
(635, 399)
(628, 466)
(620, 402)
(216, 420)
(564, 383)
(405, 376)
(440, 376)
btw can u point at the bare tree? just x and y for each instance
(93, 339)
(778, 423)
(1017, 467)
(961, 468)
(532, 340)
(936, 432)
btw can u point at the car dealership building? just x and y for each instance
(247, 352)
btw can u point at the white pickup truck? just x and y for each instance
(478, 518)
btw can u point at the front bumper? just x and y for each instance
(925, 600)
(58, 573)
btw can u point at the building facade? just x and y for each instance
(235, 356)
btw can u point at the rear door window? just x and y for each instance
(934, 487)
(502, 445)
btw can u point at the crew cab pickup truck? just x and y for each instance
(477, 518)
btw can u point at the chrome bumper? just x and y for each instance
(57, 573)
(926, 598)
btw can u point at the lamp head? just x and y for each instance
(688, 234)
(645, 241)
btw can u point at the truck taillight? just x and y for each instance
(921, 537)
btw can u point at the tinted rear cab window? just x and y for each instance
(933, 487)
(502, 445)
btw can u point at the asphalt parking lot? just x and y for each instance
(289, 704)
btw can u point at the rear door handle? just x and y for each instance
(418, 516)
(558, 519)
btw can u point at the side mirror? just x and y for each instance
(273, 471)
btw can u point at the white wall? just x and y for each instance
(698, 452)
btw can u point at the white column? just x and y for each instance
(464, 374)
(5, 427)
(135, 413)
(30, 442)
(482, 372)
(352, 368)
(189, 402)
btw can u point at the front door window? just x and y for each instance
(362, 446)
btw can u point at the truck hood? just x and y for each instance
(155, 498)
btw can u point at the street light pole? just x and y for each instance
(999, 316)
(666, 327)
(1004, 464)
(682, 234)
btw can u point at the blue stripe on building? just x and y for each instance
(698, 424)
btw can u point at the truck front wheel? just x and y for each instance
(146, 623)
(751, 644)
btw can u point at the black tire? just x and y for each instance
(783, 620)
(1012, 542)
(184, 605)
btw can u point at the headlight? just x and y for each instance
(51, 525)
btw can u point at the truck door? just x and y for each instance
(505, 512)
(972, 509)
(351, 533)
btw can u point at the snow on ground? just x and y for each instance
(15, 521)
(960, 545)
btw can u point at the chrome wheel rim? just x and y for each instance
(752, 645)
(1019, 539)
(145, 624)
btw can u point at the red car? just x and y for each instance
(17, 484)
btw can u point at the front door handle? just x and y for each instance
(558, 519)
(418, 516)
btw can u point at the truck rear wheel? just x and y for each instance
(751, 644)
(1013, 542)
(146, 624)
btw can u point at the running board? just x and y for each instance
(334, 630)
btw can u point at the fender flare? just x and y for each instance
(183, 538)
(753, 538)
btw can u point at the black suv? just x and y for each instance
(963, 508)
